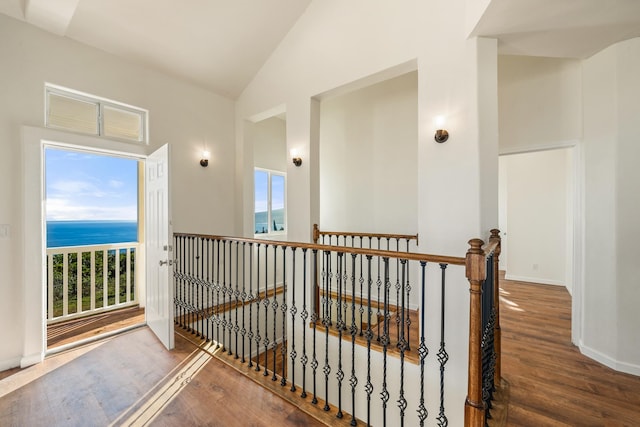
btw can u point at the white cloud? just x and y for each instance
(62, 209)
(114, 183)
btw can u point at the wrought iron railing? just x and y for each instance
(403, 306)
(86, 280)
(256, 300)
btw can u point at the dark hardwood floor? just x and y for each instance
(551, 382)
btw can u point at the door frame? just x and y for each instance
(34, 140)
(577, 289)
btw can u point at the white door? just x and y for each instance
(159, 250)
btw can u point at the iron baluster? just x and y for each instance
(283, 309)
(303, 316)
(217, 305)
(201, 289)
(408, 319)
(208, 279)
(265, 302)
(314, 321)
(398, 292)
(326, 323)
(236, 327)
(251, 297)
(379, 285)
(443, 357)
(224, 296)
(340, 325)
(402, 344)
(353, 381)
(369, 336)
(294, 310)
(423, 351)
(361, 280)
(384, 395)
(258, 337)
(274, 305)
(243, 296)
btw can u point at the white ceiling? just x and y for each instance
(217, 44)
(221, 44)
(559, 28)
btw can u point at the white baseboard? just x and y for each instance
(627, 368)
(31, 359)
(9, 363)
(508, 276)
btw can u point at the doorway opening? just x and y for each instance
(539, 220)
(94, 238)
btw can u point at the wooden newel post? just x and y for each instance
(474, 409)
(316, 234)
(497, 339)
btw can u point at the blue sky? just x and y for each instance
(261, 191)
(84, 186)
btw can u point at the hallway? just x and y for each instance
(551, 383)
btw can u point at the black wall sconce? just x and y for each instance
(441, 134)
(204, 161)
(295, 157)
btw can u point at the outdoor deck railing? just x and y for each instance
(85, 280)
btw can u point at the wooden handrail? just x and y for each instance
(317, 233)
(413, 256)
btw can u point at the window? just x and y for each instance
(84, 113)
(269, 202)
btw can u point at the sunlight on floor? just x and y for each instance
(510, 304)
(168, 388)
(32, 373)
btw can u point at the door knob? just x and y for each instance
(169, 262)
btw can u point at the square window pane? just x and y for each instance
(72, 114)
(122, 124)
(261, 202)
(277, 203)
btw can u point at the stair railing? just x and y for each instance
(256, 300)
(484, 373)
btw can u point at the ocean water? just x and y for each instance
(261, 221)
(80, 233)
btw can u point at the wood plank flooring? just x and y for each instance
(63, 333)
(131, 379)
(551, 382)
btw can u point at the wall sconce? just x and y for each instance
(204, 161)
(295, 157)
(441, 134)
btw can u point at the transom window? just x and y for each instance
(270, 215)
(80, 112)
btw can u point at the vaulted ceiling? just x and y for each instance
(217, 44)
(221, 44)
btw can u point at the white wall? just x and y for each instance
(546, 103)
(338, 46)
(540, 102)
(368, 147)
(269, 144)
(185, 116)
(612, 206)
(536, 209)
